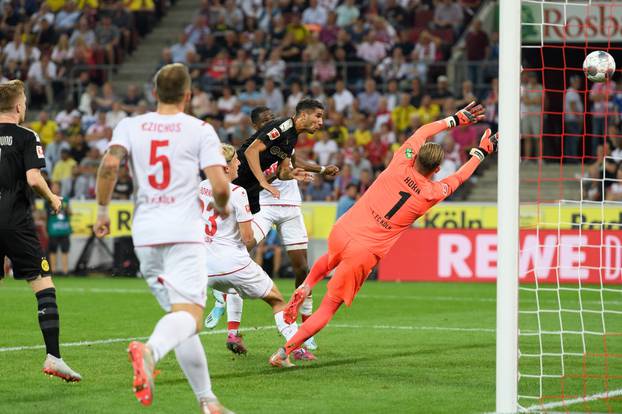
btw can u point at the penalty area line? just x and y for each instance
(589, 398)
(250, 329)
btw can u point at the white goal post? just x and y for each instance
(508, 206)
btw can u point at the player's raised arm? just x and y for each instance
(106, 180)
(328, 170)
(487, 145)
(252, 157)
(470, 114)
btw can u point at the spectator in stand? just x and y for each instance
(615, 190)
(84, 185)
(58, 230)
(143, 12)
(53, 150)
(477, 51)
(62, 55)
(531, 113)
(362, 133)
(399, 15)
(217, 72)
(347, 200)
(65, 117)
(387, 135)
(250, 97)
(124, 187)
(601, 96)
(347, 13)
(15, 50)
(371, 50)
(67, 18)
(179, 50)
(369, 99)
(401, 114)
(62, 171)
(467, 94)
(428, 111)
(319, 190)
(234, 119)
(274, 68)
(227, 101)
(196, 31)
(242, 68)
(234, 18)
(448, 14)
(358, 164)
(343, 97)
(329, 31)
(107, 98)
(394, 66)
(46, 36)
(315, 14)
(201, 103)
(325, 149)
(83, 31)
(424, 54)
(491, 102)
(342, 181)
(324, 69)
(465, 137)
(79, 147)
(273, 96)
(131, 99)
(44, 127)
(124, 22)
(108, 37)
(383, 115)
(365, 180)
(295, 95)
(41, 76)
(88, 99)
(97, 134)
(376, 152)
(115, 115)
(357, 31)
(317, 92)
(337, 130)
(573, 120)
(441, 92)
(11, 17)
(392, 94)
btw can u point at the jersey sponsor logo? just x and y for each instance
(6, 140)
(278, 152)
(286, 125)
(444, 188)
(274, 134)
(409, 153)
(40, 152)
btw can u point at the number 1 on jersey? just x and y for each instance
(404, 197)
(154, 159)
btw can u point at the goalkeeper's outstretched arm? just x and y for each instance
(487, 145)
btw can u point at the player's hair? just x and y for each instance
(171, 83)
(228, 151)
(256, 113)
(430, 156)
(9, 92)
(306, 104)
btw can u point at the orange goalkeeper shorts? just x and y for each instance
(352, 263)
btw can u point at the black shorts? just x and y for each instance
(22, 247)
(253, 189)
(57, 242)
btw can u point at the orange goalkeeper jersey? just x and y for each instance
(400, 195)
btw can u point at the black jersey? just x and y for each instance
(20, 151)
(280, 137)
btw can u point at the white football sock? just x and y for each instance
(286, 330)
(192, 360)
(307, 306)
(234, 308)
(169, 332)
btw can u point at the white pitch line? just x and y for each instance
(257, 328)
(594, 397)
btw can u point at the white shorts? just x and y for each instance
(249, 282)
(175, 272)
(289, 223)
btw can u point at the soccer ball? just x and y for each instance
(599, 66)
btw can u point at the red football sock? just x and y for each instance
(318, 271)
(233, 326)
(304, 317)
(315, 323)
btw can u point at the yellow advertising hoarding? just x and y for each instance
(320, 217)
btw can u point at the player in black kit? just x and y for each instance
(21, 157)
(275, 142)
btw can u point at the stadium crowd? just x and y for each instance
(372, 68)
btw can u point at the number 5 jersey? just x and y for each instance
(165, 153)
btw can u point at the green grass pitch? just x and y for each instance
(401, 348)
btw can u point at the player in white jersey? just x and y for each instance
(230, 267)
(166, 149)
(285, 213)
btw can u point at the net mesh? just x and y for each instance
(570, 298)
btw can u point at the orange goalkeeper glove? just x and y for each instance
(487, 145)
(470, 114)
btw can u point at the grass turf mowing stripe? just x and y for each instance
(557, 404)
(257, 328)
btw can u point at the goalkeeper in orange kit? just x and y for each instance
(362, 236)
